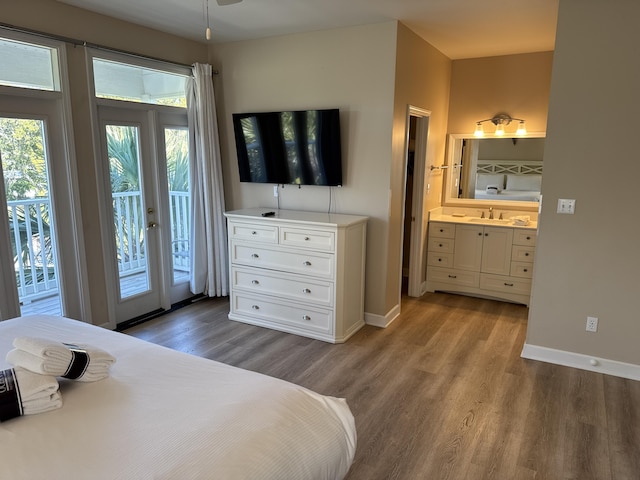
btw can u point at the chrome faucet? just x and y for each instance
(490, 213)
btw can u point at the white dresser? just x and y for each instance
(298, 272)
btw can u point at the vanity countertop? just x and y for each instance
(495, 222)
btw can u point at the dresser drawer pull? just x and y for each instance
(508, 284)
(528, 238)
(255, 307)
(256, 282)
(439, 259)
(306, 290)
(479, 234)
(452, 276)
(306, 317)
(441, 230)
(254, 233)
(306, 239)
(255, 255)
(306, 263)
(525, 270)
(440, 245)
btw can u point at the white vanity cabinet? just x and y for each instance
(298, 272)
(492, 261)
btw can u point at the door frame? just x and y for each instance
(417, 244)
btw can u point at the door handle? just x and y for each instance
(151, 225)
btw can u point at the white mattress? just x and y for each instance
(522, 195)
(164, 414)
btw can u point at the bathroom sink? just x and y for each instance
(491, 221)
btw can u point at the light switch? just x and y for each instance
(566, 205)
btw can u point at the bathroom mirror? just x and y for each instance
(502, 171)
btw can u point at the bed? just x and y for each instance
(510, 186)
(164, 414)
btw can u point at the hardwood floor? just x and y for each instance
(442, 393)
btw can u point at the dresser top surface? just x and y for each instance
(330, 219)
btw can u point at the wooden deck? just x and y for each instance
(51, 305)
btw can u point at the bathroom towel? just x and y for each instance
(26, 393)
(84, 363)
(521, 220)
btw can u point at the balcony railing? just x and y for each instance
(33, 244)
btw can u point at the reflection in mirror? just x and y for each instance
(489, 170)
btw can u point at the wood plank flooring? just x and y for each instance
(440, 394)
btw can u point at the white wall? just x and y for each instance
(588, 263)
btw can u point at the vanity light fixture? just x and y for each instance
(500, 121)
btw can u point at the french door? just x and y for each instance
(39, 253)
(147, 205)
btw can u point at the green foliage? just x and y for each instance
(122, 148)
(23, 158)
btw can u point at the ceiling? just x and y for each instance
(458, 28)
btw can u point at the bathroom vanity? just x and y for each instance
(488, 257)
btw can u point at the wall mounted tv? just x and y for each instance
(291, 147)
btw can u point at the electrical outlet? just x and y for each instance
(592, 324)
(566, 205)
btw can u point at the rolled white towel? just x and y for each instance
(493, 189)
(522, 220)
(26, 393)
(84, 363)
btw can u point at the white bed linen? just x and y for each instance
(523, 195)
(164, 414)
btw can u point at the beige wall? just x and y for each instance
(514, 84)
(423, 75)
(351, 69)
(588, 263)
(56, 18)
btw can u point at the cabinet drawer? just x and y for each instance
(314, 239)
(247, 231)
(500, 283)
(441, 245)
(307, 263)
(276, 312)
(524, 237)
(273, 283)
(520, 253)
(436, 259)
(444, 230)
(453, 277)
(521, 269)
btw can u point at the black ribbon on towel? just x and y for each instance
(79, 362)
(10, 401)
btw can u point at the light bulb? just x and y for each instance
(479, 130)
(499, 129)
(522, 130)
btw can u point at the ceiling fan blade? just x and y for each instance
(227, 2)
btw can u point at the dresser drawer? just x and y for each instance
(266, 282)
(444, 230)
(307, 263)
(313, 239)
(275, 312)
(441, 245)
(453, 277)
(436, 259)
(247, 231)
(500, 283)
(521, 269)
(524, 237)
(520, 253)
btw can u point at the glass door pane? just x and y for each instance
(176, 141)
(123, 149)
(33, 244)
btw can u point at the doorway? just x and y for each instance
(414, 226)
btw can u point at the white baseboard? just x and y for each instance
(584, 362)
(380, 320)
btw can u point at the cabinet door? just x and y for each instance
(467, 250)
(496, 250)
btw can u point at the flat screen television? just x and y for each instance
(290, 147)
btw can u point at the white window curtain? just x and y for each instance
(209, 261)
